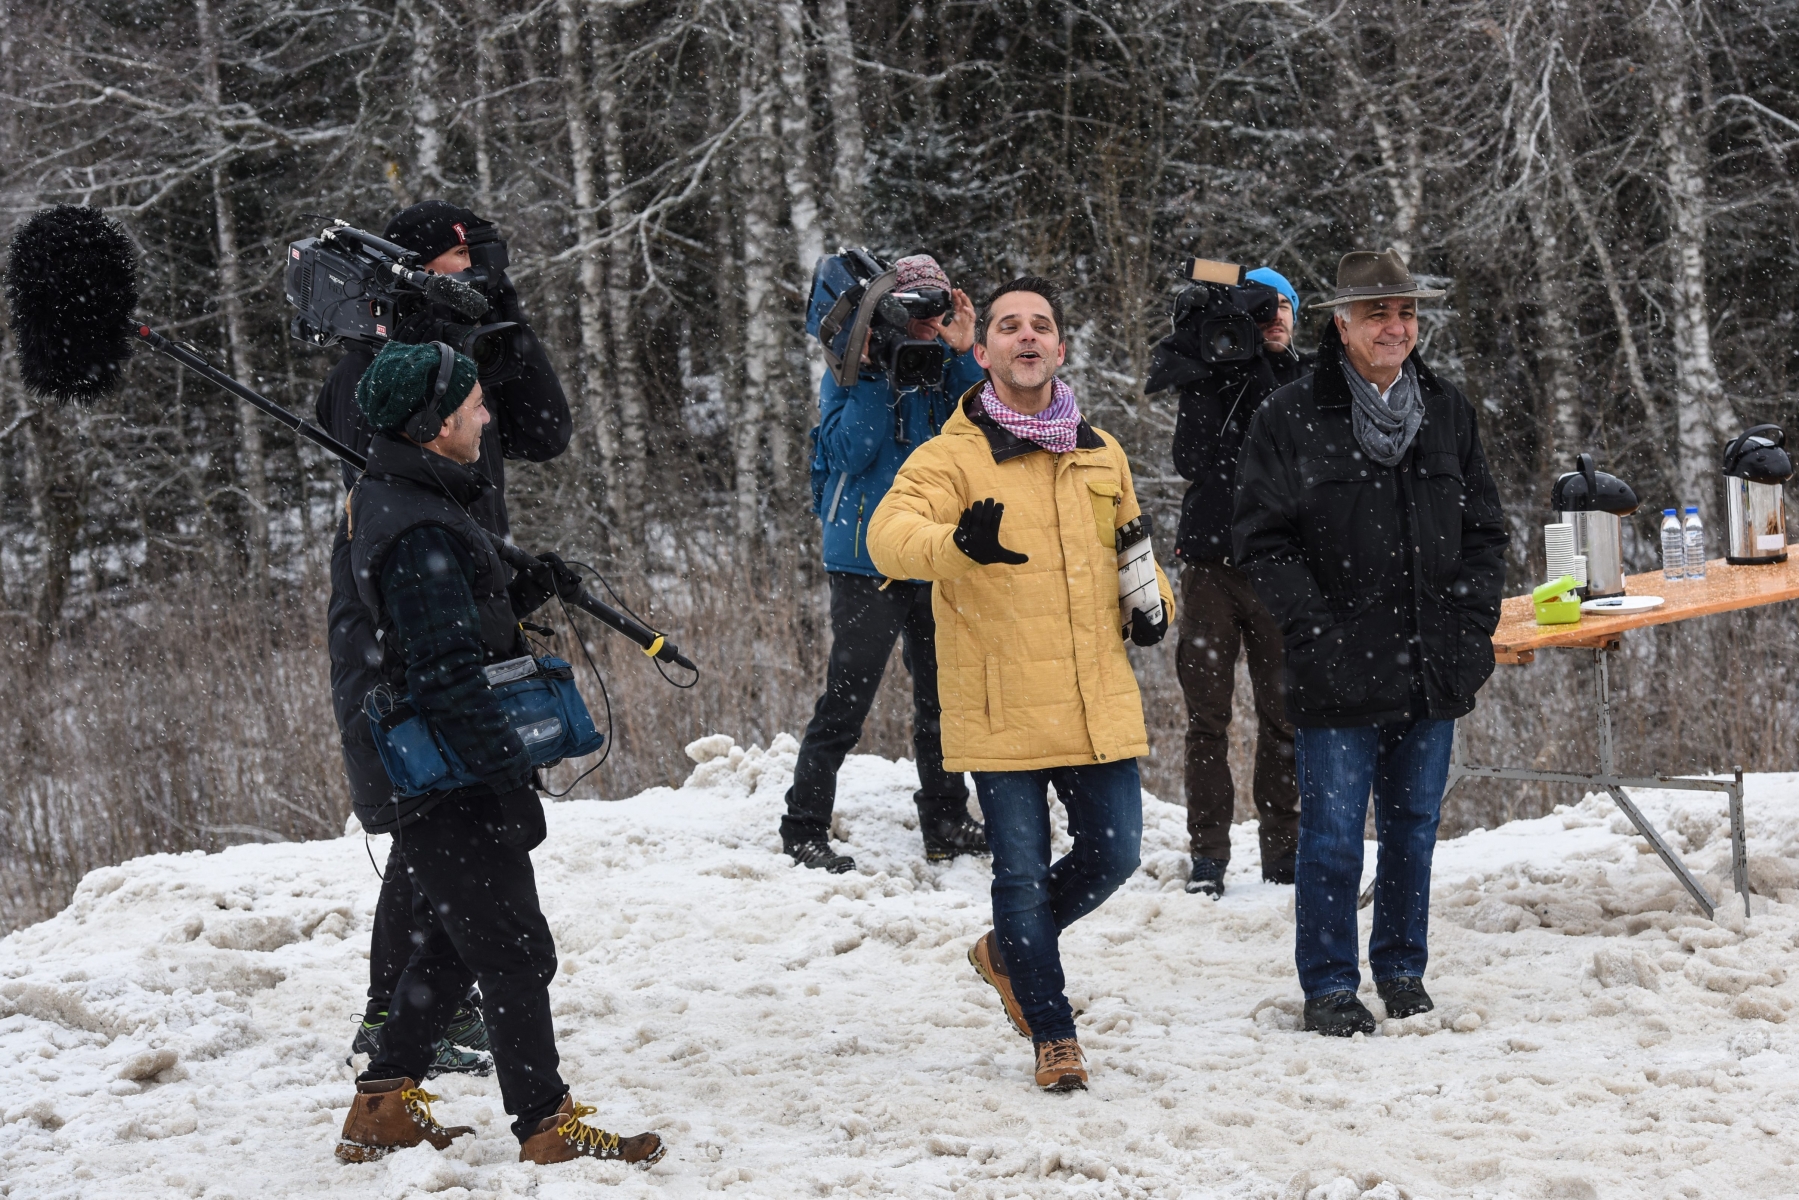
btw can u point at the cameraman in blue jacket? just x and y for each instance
(865, 432)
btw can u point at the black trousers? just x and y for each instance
(1219, 612)
(356, 668)
(865, 620)
(475, 908)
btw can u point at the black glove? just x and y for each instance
(1145, 632)
(505, 302)
(977, 534)
(531, 588)
(566, 580)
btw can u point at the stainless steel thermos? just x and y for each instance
(1756, 465)
(1592, 501)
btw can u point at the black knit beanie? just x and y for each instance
(399, 382)
(430, 228)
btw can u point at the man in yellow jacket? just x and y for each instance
(1032, 672)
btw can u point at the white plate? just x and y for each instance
(1617, 606)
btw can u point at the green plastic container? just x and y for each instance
(1556, 602)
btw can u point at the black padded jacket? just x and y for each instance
(1386, 580)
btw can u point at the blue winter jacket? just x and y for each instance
(864, 433)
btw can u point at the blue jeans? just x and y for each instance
(1406, 767)
(1034, 901)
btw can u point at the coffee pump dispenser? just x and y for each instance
(1592, 501)
(1756, 465)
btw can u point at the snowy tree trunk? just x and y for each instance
(628, 498)
(426, 116)
(759, 216)
(796, 138)
(55, 483)
(849, 160)
(252, 465)
(590, 294)
(1556, 352)
(484, 74)
(1698, 394)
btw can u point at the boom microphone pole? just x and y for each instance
(71, 281)
(190, 359)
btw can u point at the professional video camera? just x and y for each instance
(853, 299)
(1217, 323)
(351, 286)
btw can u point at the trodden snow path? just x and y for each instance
(180, 1029)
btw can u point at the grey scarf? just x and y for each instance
(1385, 428)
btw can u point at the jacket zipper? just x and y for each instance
(860, 506)
(843, 477)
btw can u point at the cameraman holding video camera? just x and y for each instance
(1224, 371)
(904, 336)
(530, 421)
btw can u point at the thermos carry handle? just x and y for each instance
(1588, 471)
(1742, 438)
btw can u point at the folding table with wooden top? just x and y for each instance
(1725, 588)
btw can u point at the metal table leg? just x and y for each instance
(1614, 786)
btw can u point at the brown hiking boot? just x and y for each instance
(983, 958)
(1061, 1067)
(565, 1136)
(389, 1115)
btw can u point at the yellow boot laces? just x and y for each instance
(587, 1135)
(418, 1103)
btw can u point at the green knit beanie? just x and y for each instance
(399, 382)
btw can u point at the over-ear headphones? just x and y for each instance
(424, 425)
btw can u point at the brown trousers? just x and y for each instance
(1219, 613)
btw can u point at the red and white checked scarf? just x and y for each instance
(1054, 428)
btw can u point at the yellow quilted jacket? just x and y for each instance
(1031, 666)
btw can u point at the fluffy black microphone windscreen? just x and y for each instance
(71, 280)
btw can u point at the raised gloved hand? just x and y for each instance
(565, 579)
(977, 534)
(1145, 632)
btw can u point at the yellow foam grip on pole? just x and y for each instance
(655, 647)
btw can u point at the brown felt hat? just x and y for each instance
(1365, 275)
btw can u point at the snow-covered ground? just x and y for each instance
(180, 1029)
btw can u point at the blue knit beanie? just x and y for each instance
(1277, 281)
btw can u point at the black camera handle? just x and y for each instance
(654, 644)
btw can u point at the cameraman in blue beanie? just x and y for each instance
(1220, 615)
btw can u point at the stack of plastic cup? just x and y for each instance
(1580, 570)
(1558, 549)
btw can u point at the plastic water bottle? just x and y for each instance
(1674, 555)
(1693, 534)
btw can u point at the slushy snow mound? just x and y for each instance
(180, 1030)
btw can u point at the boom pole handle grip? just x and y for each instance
(654, 644)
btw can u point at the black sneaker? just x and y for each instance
(818, 855)
(368, 1035)
(468, 1029)
(454, 1060)
(1279, 870)
(1208, 877)
(944, 840)
(1404, 996)
(450, 1060)
(1339, 1014)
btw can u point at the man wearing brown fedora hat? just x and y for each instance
(1369, 525)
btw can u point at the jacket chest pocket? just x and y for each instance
(1105, 496)
(1441, 495)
